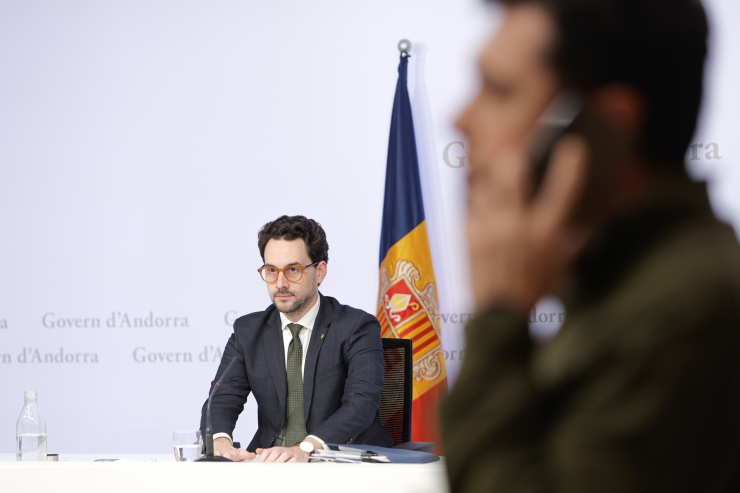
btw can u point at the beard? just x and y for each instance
(295, 305)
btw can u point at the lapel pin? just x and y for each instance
(322, 336)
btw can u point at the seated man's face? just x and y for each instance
(293, 297)
(517, 84)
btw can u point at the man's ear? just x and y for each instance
(321, 271)
(622, 106)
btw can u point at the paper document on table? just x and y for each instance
(347, 454)
(373, 453)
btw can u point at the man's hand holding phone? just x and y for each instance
(521, 242)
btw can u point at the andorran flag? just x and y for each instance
(408, 306)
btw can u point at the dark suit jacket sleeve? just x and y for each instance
(228, 401)
(361, 398)
(652, 416)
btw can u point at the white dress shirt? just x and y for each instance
(307, 321)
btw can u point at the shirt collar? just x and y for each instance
(307, 320)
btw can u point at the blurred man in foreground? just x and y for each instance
(639, 391)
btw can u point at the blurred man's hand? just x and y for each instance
(519, 245)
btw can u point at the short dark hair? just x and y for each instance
(294, 227)
(655, 46)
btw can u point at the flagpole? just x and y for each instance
(408, 303)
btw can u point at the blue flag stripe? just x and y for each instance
(403, 207)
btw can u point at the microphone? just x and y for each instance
(209, 457)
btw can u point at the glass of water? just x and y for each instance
(187, 445)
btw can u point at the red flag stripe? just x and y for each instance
(424, 335)
(415, 325)
(421, 340)
(384, 327)
(424, 344)
(425, 424)
(414, 334)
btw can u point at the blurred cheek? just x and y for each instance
(490, 130)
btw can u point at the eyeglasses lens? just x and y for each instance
(293, 274)
(269, 274)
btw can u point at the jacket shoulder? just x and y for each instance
(348, 313)
(686, 286)
(255, 319)
(699, 262)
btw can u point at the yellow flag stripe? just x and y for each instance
(418, 330)
(403, 331)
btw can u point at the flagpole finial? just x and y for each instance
(404, 46)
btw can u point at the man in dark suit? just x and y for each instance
(314, 366)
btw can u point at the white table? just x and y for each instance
(160, 473)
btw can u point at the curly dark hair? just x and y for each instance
(293, 227)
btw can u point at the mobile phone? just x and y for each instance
(607, 147)
(557, 120)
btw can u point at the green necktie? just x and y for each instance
(295, 427)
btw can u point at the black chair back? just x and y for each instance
(397, 395)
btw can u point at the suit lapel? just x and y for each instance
(318, 334)
(275, 352)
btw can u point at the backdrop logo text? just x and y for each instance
(30, 355)
(454, 155)
(116, 320)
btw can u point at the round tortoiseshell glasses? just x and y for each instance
(293, 273)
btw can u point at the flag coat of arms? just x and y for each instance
(408, 305)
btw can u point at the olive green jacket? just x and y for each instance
(640, 389)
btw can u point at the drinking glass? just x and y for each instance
(187, 445)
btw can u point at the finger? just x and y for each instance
(513, 175)
(563, 182)
(259, 451)
(284, 457)
(246, 455)
(223, 452)
(267, 456)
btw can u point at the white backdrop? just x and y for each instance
(143, 144)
